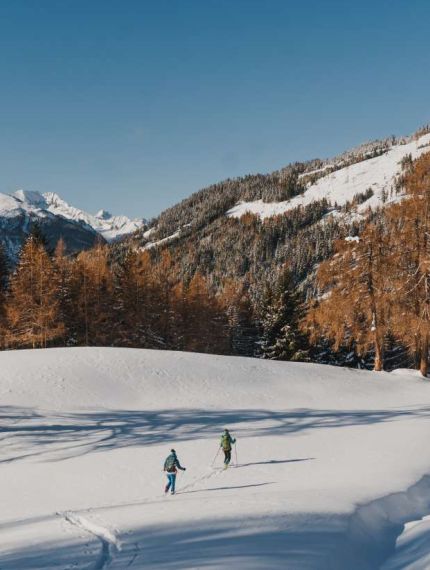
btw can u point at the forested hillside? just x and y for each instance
(248, 228)
(341, 280)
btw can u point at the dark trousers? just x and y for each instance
(227, 456)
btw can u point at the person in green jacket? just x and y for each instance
(226, 442)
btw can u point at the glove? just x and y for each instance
(185, 468)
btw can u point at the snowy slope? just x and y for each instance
(342, 185)
(325, 460)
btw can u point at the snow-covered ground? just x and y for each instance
(331, 463)
(342, 185)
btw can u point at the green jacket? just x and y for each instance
(227, 441)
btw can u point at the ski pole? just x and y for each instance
(235, 451)
(213, 462)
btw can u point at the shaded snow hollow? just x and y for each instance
(330, 462)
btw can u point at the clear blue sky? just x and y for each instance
(133, 105)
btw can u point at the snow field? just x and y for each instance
(342, 185)
(330, 462)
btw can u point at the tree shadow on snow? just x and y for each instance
(56, 436)
(295, 542)
(274, 462)
(235, 487)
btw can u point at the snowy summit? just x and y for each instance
(41, 205)
(20, 210)
(109, 226)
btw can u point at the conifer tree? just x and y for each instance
(64, 288)
(410, 231)
(282, 338)
(180, 317)
(129, 309)
(355, 289)
(38, 236)
(4, 276)
(205, 324)
(241, 322)
(93, 278)
(161, 311)
(32, 306)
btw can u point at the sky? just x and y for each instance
(132, 105)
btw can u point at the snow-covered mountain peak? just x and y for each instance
(30, 198)
(103, 215)
(23, 207)
(53, 198)
(110, 227)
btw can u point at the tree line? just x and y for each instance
(92, 299)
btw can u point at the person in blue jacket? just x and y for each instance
(171, 466)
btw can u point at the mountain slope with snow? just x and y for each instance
(329, 462)
(343, 184)
(300, 212)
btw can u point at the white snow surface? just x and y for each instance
(329, 465)
(342, 185)
(152, 244)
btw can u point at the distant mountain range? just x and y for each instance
(57, 219)
(109, 226)
(302, 203)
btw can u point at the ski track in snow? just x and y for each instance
(110, 544)
(373, 528)
(214, 471)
